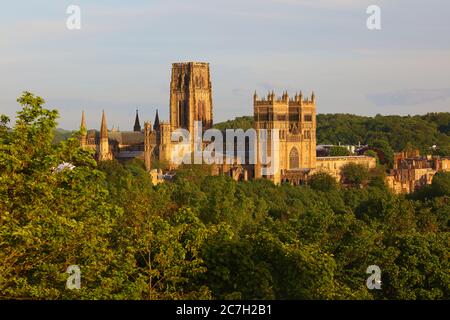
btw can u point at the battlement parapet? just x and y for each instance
(271, 99)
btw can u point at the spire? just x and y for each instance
(313, 97)
(104, 152)
(103, 128)
(83, 131)
(137, 125)
(156, 123)
(83, 122)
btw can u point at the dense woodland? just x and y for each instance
(400, 132)
(209, 237)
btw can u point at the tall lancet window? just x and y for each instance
(293, 159)
(180, 114)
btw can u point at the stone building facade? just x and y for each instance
(190, 95)
(411, 171)
(293, 118)
(190, 101)
(113, 144)
(334, 165)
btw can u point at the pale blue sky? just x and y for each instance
(121, 57)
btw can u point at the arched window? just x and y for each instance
(293, 159)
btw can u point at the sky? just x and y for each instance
(121, 57)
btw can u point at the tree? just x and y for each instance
(371, 153)
(243, 123)
(210, 237)
(322, 181)
(377, 178)
(423, 131)
(440, 185)
(234, 272)
(386, 150)
(354, 174)
(52, 219)
(420, 269)
(170, 259)
(337, 151)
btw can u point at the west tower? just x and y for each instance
(190, 96)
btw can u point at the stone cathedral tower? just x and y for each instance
(295, 120)
(190, 96)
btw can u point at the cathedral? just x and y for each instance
(293, 118)
(190, 101)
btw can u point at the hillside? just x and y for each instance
(61, 134)
(420, 131)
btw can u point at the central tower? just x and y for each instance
(190, 95)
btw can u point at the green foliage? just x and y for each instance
(354, 174)
(371, 153)
(171, 259)
(422, 260)
(61, 135)
(383, 150)
(441, 184)
(337, 151)
(243, 123)
(322, 181)
(203, 236)
(420, 131)
(49, 219)
(440, 187)
(377, 177)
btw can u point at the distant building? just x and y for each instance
(114, 144)
(191, 100)
(324, 150)
(412, 171)
(295, 118)
(334, 165)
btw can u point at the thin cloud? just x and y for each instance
(409, 97)
(330, 4)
